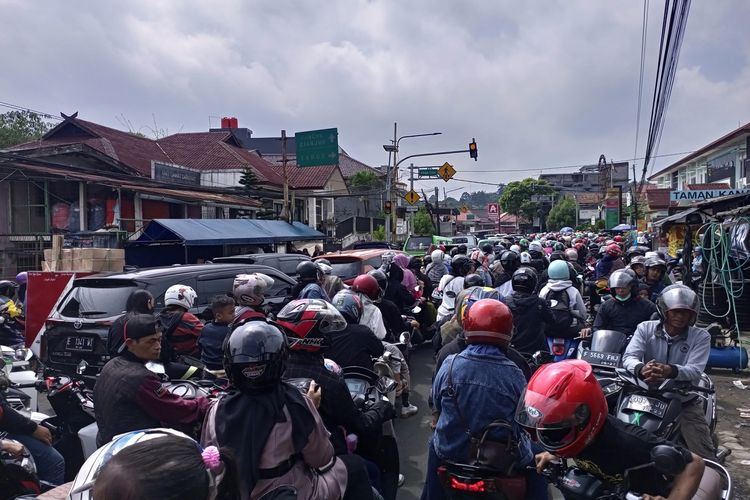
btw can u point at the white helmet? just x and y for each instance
(83, 484)
(525, 258)
(536, 246)
(515, 248)
(249, 289)
(180, 295)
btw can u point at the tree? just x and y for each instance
(379, 234)
(364, 180)
(563, 214)
(249, 180)
(17, 127)
(516, 198)
(423, 222)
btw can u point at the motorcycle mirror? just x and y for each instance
(81, 369)
(404, 338)
(157, 368)
(542, 357)
(668, 460)
(386, 385)
(416, 310)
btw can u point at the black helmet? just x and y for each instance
(633, 251)
(454, 251)
(559, 246)
(462, 249)
(349, 304)
(380, 277)
(395, 273)
(487, 248)
(524, 280)
(255, 356)
(461, 265)
(655, 262)
(473, 280)
(308, 323)
(8, 288)
(415, 263)
(556, 255)
(510, 261)
(308, 271)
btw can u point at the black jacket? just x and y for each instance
(624, 316)
(337, 408)
(128, 397)
(12, 421)
(394, 323)
(531, 315)
(354, 346)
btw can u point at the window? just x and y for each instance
(93, 299)
(27, 207)
(210, 288)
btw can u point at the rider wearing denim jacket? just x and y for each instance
(475, 388)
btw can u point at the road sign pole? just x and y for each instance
(394, 179)
(410, 227)
(285, 210)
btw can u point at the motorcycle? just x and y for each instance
(604, 354)
(18, 474)
(16, 363)
(577, 484)
(658, 409)
(562, 348)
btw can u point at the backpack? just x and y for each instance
(566, 325)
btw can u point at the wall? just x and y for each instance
(221, 178)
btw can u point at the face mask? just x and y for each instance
(622, 299)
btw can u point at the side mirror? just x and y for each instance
(542, 358)
(81, 369)
(386, 385)
(404, 338)
(157, 368)
(668, 459)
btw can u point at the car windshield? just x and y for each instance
(346, 269)
(419, 243)
(96, 300)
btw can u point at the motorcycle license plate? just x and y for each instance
(85, 344)
(597, 358)
(646, 405)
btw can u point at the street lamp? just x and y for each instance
(392, 150)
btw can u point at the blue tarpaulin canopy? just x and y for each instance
(207, 232)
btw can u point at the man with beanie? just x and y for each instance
(128, 396)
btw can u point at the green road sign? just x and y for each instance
(317, 147)
(428, 172)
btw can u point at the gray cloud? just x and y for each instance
(538, 83)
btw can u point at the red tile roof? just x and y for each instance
(349, 166)
(710, 185)
(309, 177)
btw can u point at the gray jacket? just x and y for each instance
(688, 352)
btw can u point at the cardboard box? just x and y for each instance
(57, 243)
(51, 254)
(93, 265)
(50, 266)
(116, 266)
(66, 259)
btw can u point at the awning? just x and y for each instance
(203, 232)
(679, 217)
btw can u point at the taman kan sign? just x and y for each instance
(704, 194)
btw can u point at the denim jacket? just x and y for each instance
(487, 387)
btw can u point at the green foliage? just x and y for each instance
(364, 180)
(423, 222)
(249, 180)
(379, 234)
(516, 198)
(17, 127)
(563, 214)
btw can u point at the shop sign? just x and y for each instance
(173, 174)
(704, 194)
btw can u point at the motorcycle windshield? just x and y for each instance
(608, 341)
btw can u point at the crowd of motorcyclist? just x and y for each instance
(487, 312)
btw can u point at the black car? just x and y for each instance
(76, 329)
(284, 262)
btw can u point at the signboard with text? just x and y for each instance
(317, 147)
(492, 211)
(704, 194)
(174, 174)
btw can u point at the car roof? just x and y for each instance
(361, 254)
(258, 257)
(189, 269)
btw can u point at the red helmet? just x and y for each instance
(309, 323)
(364, 283)
(614, 250)
(488, 321)
(618, 239)
(565, 405)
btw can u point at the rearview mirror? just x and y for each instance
(668, 459)
(386, 385)
(81, 369)
(404, 338)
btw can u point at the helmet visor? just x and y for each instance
(554, 421)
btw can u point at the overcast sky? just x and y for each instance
(540, 84)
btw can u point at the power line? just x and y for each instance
(644, 33)
(21, 108)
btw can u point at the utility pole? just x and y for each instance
(285, 210)
(437, 210)
(394, 177)
(635, 199)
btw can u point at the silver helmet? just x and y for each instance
(677, 297)
(621, 279)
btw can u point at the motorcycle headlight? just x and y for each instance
(20, 354)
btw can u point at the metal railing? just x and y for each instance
(22, 252)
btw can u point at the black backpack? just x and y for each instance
(566, 324)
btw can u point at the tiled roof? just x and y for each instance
(710, 185)
(658, 198)
(588, 198)
(309, 177)
(349, 166)
(216, 151)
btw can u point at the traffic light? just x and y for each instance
(473, 149)
(387, 207)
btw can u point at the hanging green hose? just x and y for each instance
(716, 256)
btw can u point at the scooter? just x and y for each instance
(604, 354)
(18, 474)
(562, 348)
(577, 484)
(16, 363)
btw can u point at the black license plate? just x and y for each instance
(85, 344)
(645, 404)
(596, 358)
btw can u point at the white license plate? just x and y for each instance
(646, 405)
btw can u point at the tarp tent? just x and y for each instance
(183, 241)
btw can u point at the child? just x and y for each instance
(213, 334)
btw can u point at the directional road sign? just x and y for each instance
(446, 171)
(428, 172)
(492, 211)
(412, 208)
(412, 197)
(317, 147)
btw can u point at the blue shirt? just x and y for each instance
(212, 342)
(314, 291)
(487, 387)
